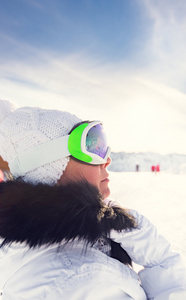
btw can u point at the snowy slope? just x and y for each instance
(126, 162)
(161, 197)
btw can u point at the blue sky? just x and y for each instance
(121, 61)
(107, 29)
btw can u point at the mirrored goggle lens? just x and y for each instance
(96, 141)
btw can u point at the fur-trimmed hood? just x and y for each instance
(41, 214)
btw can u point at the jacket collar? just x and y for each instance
(41, 214)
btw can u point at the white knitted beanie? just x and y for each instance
(28, 127)
(6, 107)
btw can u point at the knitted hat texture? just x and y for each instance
(27, 127)
(6, 107)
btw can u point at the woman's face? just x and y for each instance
(94, 174)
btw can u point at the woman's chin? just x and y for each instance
(105, 193)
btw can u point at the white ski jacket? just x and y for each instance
(164, 275)
(66, 272)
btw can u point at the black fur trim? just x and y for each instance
(41, 214)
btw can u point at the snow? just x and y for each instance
(161, 197)
(126, 162)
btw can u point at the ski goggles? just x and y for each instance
(87, 143)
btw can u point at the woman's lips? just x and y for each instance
(106, 180)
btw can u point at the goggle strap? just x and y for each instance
(40, 155)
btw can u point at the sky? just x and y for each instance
(122, 62)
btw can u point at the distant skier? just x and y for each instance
(153, 168)
(158, 168)
(137, 167)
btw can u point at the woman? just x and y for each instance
(60, 235)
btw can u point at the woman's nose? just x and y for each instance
(107, 163)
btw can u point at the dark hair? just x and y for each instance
(78, 124)
(120, 254)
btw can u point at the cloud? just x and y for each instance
(166, 44)
(142, 104)
(139, 114)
